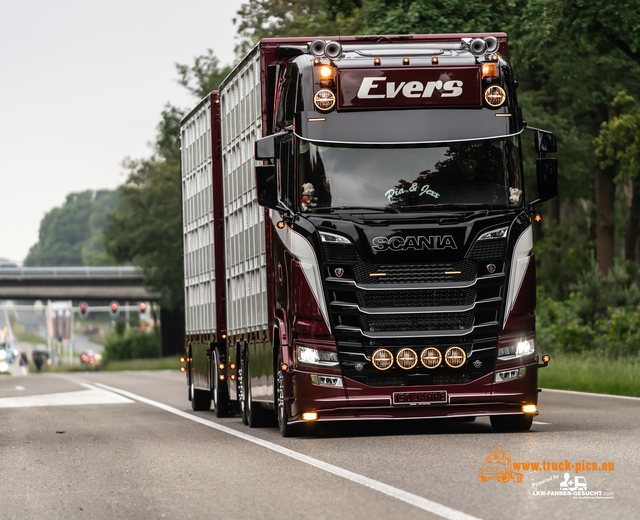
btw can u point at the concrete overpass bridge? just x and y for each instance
(74, 283)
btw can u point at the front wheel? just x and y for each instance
(286, 428)
(512, 423)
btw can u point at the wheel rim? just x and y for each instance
(281, 410)
(214, 374)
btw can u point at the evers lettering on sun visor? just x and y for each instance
(409, 87)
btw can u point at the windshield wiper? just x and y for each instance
(386, 209)
(458, 205)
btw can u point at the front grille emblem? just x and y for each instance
(359, 367)
(339, 272)
(477, 363)
(491, 268)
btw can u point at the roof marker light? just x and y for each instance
(376, 61)
(434, 60)
(405, 61)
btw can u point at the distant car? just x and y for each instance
(40, 356)
(90, 357)
(12, 353)
(91, 329)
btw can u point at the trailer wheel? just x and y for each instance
(200, 399)
(220, 399)
(286, 429)
(256, 415)
(511, 423)
(242, 388)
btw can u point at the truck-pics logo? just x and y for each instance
(420, 243)
(379, 88)
(497, 466)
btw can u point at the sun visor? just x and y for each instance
(408, 126)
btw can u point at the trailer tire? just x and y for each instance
(256, 415)
(512, 423)
(221, 405)
(200, 399)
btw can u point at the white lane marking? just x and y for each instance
(409, 498)
(590, 393)
(20, 388)
(540, 422)
(90, 396)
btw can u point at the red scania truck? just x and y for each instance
(357, 240)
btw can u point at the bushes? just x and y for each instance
(130, 344)
(602, 315)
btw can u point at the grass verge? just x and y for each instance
(168, 363)
(588, 373)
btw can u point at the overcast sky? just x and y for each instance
(82, 85)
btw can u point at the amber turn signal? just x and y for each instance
(182, 369)
(529, 408)
(546, 358)
(181, 360)
(233, 377)
(221, 366)
(232, 366)
(281, 225)
(284, 367)
(309, 416)
(221, 377)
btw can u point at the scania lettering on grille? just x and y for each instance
(420, 243)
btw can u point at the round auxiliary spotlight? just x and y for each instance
(407, 358)
(478, 46)
(382, 359)
(431, 357)
(492, 43)
(316, 47)
(333, 50)
(455, 357)
(495, 96)
(324, 99)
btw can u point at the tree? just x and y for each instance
(618, 149)
(146, 228)
(71, 235)
(259, 19)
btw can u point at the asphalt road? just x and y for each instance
(72, 448)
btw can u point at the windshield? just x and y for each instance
(485, 173)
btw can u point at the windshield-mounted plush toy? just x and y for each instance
(308, 200)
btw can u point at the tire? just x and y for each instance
(200, 399)
(512, 423)
(220, 398)
(286, 428)
(256, 415)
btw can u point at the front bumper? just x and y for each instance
(356, 401)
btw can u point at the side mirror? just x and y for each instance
(545, 141)
(266, 184)
(265, 148)
(547, 170)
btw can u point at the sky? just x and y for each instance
(82, 85)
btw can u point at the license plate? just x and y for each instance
(419, 398)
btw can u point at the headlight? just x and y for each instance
(496, 233)
(520, 349)
(311, 356)
(330, 238)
